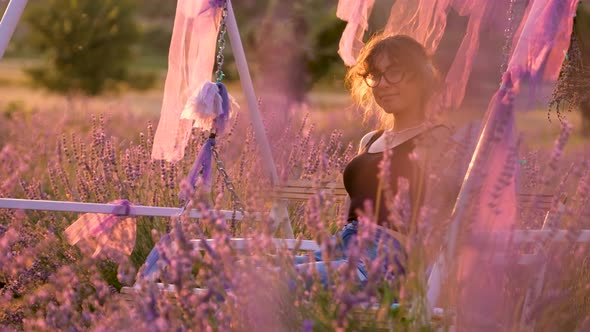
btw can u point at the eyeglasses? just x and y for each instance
(393, 75)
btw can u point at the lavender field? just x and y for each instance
(496, 238)
(99, 153)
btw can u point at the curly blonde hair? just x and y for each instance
(406, 52)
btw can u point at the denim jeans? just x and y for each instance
(393, 255)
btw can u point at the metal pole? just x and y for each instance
(9, 20)
(259, 131)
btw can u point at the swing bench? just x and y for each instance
(303, 190)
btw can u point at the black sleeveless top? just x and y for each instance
(361, 177)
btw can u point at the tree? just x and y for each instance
(157, 20)
(88, 45)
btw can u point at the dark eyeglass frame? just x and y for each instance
(377, 78)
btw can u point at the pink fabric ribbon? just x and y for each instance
(544, 32)
(492, 205)
(104, 232)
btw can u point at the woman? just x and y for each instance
(394, 79)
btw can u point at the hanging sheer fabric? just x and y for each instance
(425, 21)
(458, 75)
(542, 40)
(190, 64)
(356, 13)
(540, 48)
(487, 203)
(489, 206)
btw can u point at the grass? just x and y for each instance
(12, 71)
(151, 62)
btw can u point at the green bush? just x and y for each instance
(156, 39)
(88, 44)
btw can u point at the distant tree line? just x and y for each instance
(88, 46)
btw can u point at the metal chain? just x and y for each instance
(219, 75)
(228, 183)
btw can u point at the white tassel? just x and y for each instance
(203, 106)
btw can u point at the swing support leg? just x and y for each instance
(248, 87)
(9, 20)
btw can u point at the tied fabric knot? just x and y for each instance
(213, 5)
(127, 205)
(195, 8)
(216, 3)
(209, 107)
(115, 232)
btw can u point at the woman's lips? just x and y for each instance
(390, 95)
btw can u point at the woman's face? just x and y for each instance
(396, 90)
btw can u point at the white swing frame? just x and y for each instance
(7, 27)
(11, 16)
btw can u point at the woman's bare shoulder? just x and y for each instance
(365, 140)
